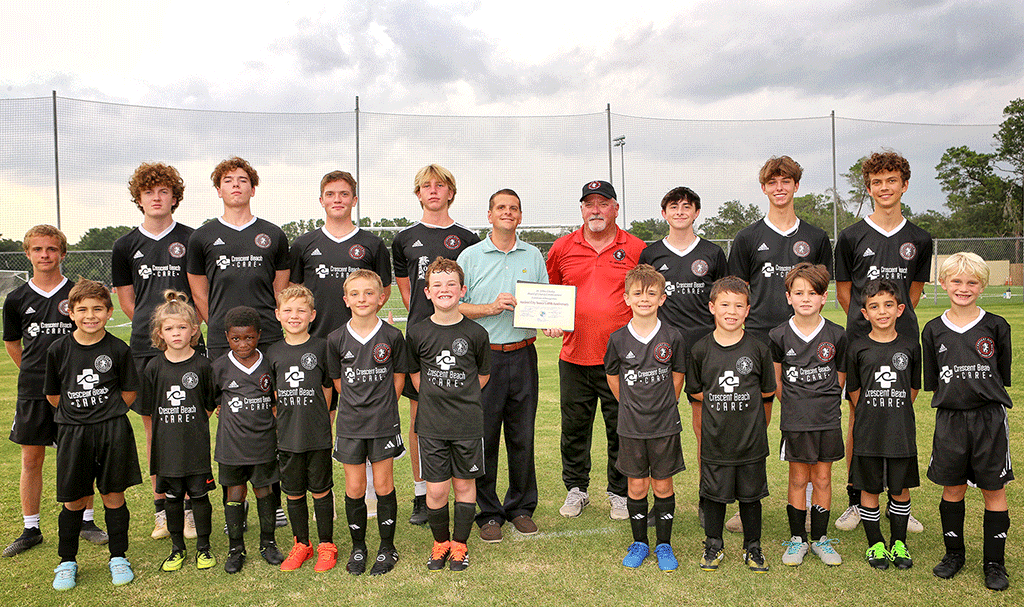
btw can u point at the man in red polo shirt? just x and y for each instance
(595, 260)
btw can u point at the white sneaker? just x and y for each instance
(735, 524)
(190, 525)
(848, 520)
(914, 525)
(828, 555)
(796, 550)
(160, 527)
(575, 501)
(619, 512)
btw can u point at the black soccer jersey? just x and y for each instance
(865, 252)
(240, 263)
(688, 276)
(648, 407)
(90, 379)
(415, 248)
(733, 430)
(367, 403)
(245, 429)
(967, 367)
(811, 395)
(450, 360)
(322, 262)
(300, 375)
(36, 319)
(762, 255)
(885, 374)
(178, 395)
(151, 264)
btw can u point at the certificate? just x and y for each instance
(544, 306)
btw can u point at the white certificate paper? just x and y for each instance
(544, 306)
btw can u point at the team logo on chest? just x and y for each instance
(662, 352)
(103, 363)
(619, 254)
(190, 380)
(744, 365)
(357, 251)
(699, 267)
(262, 241)
(908, 250)
(452, 242)
(62, 307)
(265, 382)
(460, 346)
(900, 360)
(985, 347)
(177, 250)
(801, 248)
(381, 353)
(308, 361)
(826, 351)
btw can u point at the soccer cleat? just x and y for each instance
(734, 524)
(950, 565)
(754, 559)
(848, 520)
(326, 557)
(387, 558)
(281, 519)
(190, 525)
(713, 555)
(878, 557)
(900, 556)
(490, 532)
(438, 556)
(174, 562)
(64, 575)
(356, 561)
(270, 553)
(121, 571)
(666, 559)
(419, 510)
(91, 533)
(796, 550)
(996, 577)
(205, 560)
(235, 560)
(828, 555)
(299, 554)
(574, 503)
(27, 539)
(160, 526)
(458, 558)
(618, 511)
(635, 555)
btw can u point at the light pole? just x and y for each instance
(620, 142)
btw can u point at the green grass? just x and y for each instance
(570, 561)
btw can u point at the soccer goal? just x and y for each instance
(11, 280)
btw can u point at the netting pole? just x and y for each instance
(835, 194)
(358, 214)
(56, 162)
(611, 167)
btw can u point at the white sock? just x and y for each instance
(87, 515)
(419, 488)
(31, 521)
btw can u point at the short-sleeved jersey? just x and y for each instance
(240, 263)
(598, 278)
(865, 252)
(322, 262)
(733, 429)
(300, 376)
(967, 367)
(415, 248)
(688, 276)
(37, 319)
(811, 394)
(90, 379)
(450, 359)
(245, 428)
(177, 396)
(366, 366)
(648, 407)
(885, 374)
(762, 255)
(151, 264)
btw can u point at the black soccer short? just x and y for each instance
(258, 475)
(812, 446)
(306, 471)
(657, 458)
(876, 474)
(195, 485)
(34, 422)
(441, 460)
(726, 484)
(104, 452)
(355, 451)
(971, 445)
(409, 391)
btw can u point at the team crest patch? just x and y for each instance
(190, 380)
(619, 254)
(985, 346)
(900, 360)
(826, 351)
(265, 382)
(381, 353)
(593, 185)
(662, 352)
(699, 267)
(103, 363)
(62, 307)
(308, 361)
(801, 248)
(177, 250)
(744, 365)
(908, 250)
(452, 242)
(460, 346)
(262, 241)
(357, 251)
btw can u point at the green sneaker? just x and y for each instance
(900, 556)
(754, 559)
(878, 557)
(174, 562)
(205, 560)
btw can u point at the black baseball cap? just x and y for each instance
(598, 187)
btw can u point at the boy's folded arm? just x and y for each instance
(613, 385)
(128, 397)
(54, 399)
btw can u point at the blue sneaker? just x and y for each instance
(121, 571)
(666, 560)
(635, 555)
(64, 575)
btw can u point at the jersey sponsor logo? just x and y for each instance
(218, 242)
(445, 360)
(235, 404)
(350, 375)
(885, 376)
(62, 307)
(322, 271)
(176, 249)
(452, 242)
(728, 382)
(262, 240)
(421, 267)
(223, 262)
(87, 379)
(699, 267)
(308, 361)
(663, 352)
(315, 252)
(801, 248)
(945, 374)
(190, 380)
(145, 271)
(619, 254)
(417, 244)
(460, 346)
(381, 353)
(294, 377)
(32, 330)
(265, 382)
(357, 251)
(768, 269)
(873, 272)
(908, 250)
(792, 374)
(868, 252)
(138, 255)
(985, 346)
(744, 365)
(175, 396)
(826, 351)
(670, 288)
(103, 363)
(763, 247)
(900, 360)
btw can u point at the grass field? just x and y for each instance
(569, 561)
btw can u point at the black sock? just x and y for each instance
(797, 518)
(234, 516)
(750, 515)
(188, 504)
(952, 516)
(819, 522)
(854, 495)
(202, 512)
(994, 527)
(355, 511)
(714, 519)
(159, 505)
(323, 507)
(175, 509)
(275, 490)
(664, 512)
(298, 516)
(637, 510)
(266, 509)
(387, 512)
(899, 516)
(117, 520)
(69, 526)
(463, 525)
(438, 520)
(869, 516)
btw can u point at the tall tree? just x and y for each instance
(732, 217)
(1010, 149)
(100, 239)
(975, 196)
(857, 196)
(649, 230)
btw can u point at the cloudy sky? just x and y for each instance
(922, 62)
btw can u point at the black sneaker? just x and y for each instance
(996, 577)
(356, 561)
(91, 533)
(387, 558)
(27, 539)
(753, 558)
(270, 553)
(950, 565)
(235, 560)
(419, 510)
